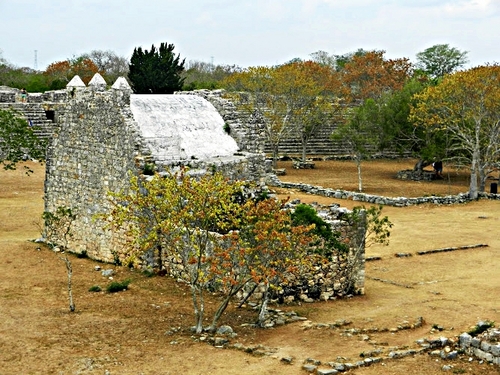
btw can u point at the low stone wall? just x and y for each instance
(8, 94)
(343, 275)
(13, 95)
(410, 174)
(273, 180)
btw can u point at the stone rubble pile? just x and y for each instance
(485, 346)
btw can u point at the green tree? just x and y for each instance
(398, 133)
(364, 80)
(157, 71)
(360, 134)
(18, 141)
(30, 79)
(441, 59)
(465, 104)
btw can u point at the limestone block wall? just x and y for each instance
(93, 151)
(36, 108)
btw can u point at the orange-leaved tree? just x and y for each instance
(200, 224)
(465, 104)
(363, 81)
(61, 72)
(267, 246)
(369, 75)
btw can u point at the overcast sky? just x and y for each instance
(246, 32)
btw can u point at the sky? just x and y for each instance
(246, 32)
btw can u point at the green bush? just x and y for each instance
(481, 327)
(148, 273)
(306, 215)
(95, 288)
(117, 286)
(149, 169)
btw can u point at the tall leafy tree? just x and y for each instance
(59, 73)
(360, 133)
(342, 60)
(83, 67)
(466, 105)
(289, 98)
(203, 75)
(157, 71)
(441, 59)
(400, 134)
(324, 58)
(364, 80)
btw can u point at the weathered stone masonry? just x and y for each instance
(97, 144)
(93, 151)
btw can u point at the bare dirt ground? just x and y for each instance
(135, 331)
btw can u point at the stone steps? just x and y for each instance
(36, 113)
(320, 144)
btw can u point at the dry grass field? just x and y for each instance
(135, 331)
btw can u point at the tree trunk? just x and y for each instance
(304, 150)
(263, 307)
(223, 306)
(198, 304)
(482, 180)
(275, 155)
(360, 180)
(420, 165)
(473, 192)
(248, 295)
(70, 287)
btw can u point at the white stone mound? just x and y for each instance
(181, 127)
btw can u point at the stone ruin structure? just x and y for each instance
(99, 136)
(103, 136)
